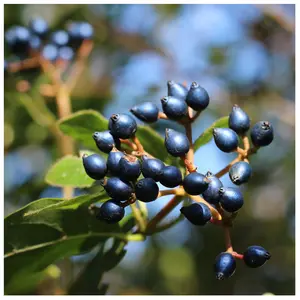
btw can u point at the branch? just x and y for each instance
(83, 52)
(138, 217)
(163, 212)
(216, 215)
(227, 168)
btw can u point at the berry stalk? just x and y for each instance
(164, 212)
(216, 215)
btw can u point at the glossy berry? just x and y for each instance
(197, 97)
(226, 139)
(122, 126)
(118, 189)
(50, 52)
(39, 27)
(111, 212)
(170, 177)
(78, 32)
(60, 38)
(256, 256)
(177, 144)
(95, 166)
(195, 183)
(231, 199)
(35, 43)
(238, 121)
(18, 38)
(146, 190)
(174, 108)
(225, 265)
(130, 167)
(147, 112)
(240, 172)
(152, 168)
(177, 90)
(105, 141)
(66, 53)
(262, 134)
(197, 213)
(211, 194)
(113, 161)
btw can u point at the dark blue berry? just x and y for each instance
(174, 108)
(50, 52)
(111, 212)
(170, 177)
(262, 134)
(197, 213)
(177, 144)
(238, 121)
(147, 112)
(66, 53)
(78, 32)
(225, 265)
(197, 97)
(39, 27)
(130, 168)
(177, 90)
(195, 183)
(35, 43)
(256, 256)
(231, 199)
(226, 139)
(240, 172)
(18, 38)
(118, 189)
(152, 168)
(211, 194)
(113, 161)
(105, 141)
(60, 38)
(146, 190)
(95, 166)
(122, 126)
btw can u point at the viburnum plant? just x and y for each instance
(133, 160)
(130, 176)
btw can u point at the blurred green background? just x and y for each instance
(243, 54)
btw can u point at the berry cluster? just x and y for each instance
(121, 174)
(38, 40)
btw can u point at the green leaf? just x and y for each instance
(88, 280)
(47, 230)
(207, 135)
(81, 125)
(68, 171)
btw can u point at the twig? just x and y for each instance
(28, 63)
(138, 144)
(227, 168)
(216, 215)
(83, 52)
(166, 226)
(164, 212)
(189, 159)
(129, 143)
(178, 192)
(246, 143)
(138, 217)
(163, 116)
(228, 240)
